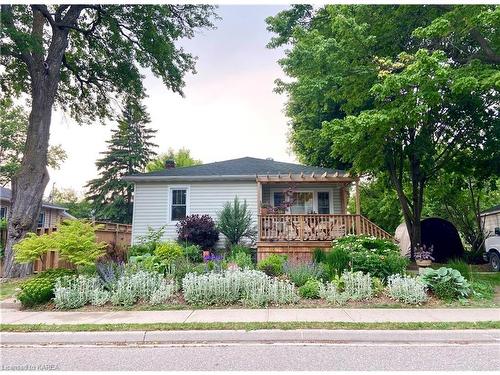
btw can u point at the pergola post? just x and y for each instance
(259, 199)
(358, 207)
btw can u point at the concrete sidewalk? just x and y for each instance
(251, 315)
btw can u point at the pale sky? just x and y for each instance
(229, 109)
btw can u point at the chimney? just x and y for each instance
(169, 164)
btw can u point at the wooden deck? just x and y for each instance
(298, 235)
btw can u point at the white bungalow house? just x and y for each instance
(296, 208)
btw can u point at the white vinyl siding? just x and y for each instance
(151, 203)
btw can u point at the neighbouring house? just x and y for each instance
(491, 219)
(50, 214)
(296, 208)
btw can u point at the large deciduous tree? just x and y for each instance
(14, 125)
(411, 88)
(182, 158)
(129, 151)
(81, 58)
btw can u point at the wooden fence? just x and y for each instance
(116, 236)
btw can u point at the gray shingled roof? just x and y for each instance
(491, 210)
(6, 194)
(242, 167)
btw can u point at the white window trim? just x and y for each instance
(315, 191)
(188, 199)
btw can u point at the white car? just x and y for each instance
(492, 250)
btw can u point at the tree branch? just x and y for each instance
(489, 54)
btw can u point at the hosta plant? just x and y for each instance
(407, 289)
(446, 283)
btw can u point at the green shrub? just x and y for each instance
(460, 266)
(137, 250)
(377, 286)
(75, 240)
(319, 255)
(378, 257)
(272, 265)
(193, 253)
(241, 249)
(77, 243)
(310, 289)
(235, 221)
(446, 283)
(147, 243)
(40, 288)
(338, 260)
(242, 259)
(168, 252)
(299, 274)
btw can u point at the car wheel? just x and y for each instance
(495, 261)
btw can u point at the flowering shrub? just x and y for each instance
(410, 290)
(199, 230)
(250, 287)
(378, 257)
(40, 288)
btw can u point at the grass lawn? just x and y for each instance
(8, 288)
(243, 326)
(492, 277)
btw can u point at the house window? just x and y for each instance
(178, 208)
(41, 220)
(279, 198)
(323, 202)
(3, 212)
(302, 202)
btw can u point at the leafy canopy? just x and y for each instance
(106, 49)
(182, 158)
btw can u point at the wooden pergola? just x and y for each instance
(344, 179)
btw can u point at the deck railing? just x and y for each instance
(315, 227)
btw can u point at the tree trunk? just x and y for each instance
(29, 183)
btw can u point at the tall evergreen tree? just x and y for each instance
(129, 151)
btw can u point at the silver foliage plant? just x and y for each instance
(71, 292)
(248, 286)
(75, 291)
(357, 285)
(407, 289)
(331, 294)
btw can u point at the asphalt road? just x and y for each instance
(355, 350)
